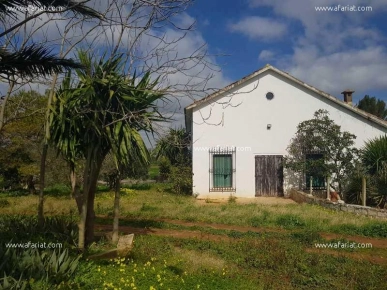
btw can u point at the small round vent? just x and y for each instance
(269, 96)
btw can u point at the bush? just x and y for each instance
(20, 228)
(181, 180)
(164, 168)
(52, 266)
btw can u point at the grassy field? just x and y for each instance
(183, 243)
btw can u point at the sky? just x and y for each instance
(331, 50)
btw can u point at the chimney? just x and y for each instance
(348, 96)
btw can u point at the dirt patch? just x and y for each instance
(373, 257)
(183, 234)
(242, 229)
(376, 243)
(244, 200)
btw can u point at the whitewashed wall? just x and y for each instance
(240, 119)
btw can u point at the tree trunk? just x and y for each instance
(44, 152)
(31, 184)
(4, 103)
(90, 217)
(83, 215)
(86, 224)
(42, 182)
(75, 188)
(116, 209)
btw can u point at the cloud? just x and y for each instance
(332, 50)
(196, 75)
(164, 48)
(266, 55)
(360, 70)
(259, 28)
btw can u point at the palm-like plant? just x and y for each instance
(174, 146)
(34, 60)
(103, 113)
(374, 159)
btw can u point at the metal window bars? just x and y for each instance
(222, 179)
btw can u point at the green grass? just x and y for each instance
(153, 171)
(154, 201)
(271, 255)
(249, 263)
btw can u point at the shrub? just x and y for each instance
(164, 168)
(181, 180)
(52, 266)
(55, 229)
(374, 159)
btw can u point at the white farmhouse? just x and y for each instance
(240, 133)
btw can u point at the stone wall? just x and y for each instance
(302, 197)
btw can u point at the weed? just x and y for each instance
(4, 202)
(289, 221)
(146, 207)
(232, 199)
(307, 237)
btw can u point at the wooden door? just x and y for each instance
(268, 175)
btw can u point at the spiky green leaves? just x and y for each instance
(104, 112)
(374, 154)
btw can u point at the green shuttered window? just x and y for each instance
(222, 170)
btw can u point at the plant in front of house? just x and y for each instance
(320, 149)
(181, 180)
(374, 160)
(174, 146)
(164, 168)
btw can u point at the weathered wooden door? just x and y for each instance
(268, 175)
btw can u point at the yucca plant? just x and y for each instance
(52, 266)
(21, 227)
(374, 154)
(374, 159)
(103, 112)
(10, 283)
(174, 146)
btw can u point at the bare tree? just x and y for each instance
(151, 35)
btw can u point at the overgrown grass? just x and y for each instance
(153, 201)
(249, 263)
(270, 255)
